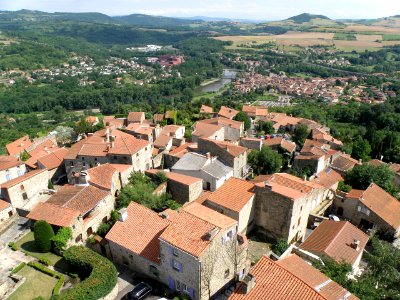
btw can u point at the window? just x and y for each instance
(95, 159)
(178, 285)
(184, 288)
(22, 187)
(363, 210)
(71, 163)
(24, 196)
(153, 270)
(226, 274)
(298, 222)
(83, 158)
(230, 234)
(176, 265)
(8, 175)
(19, 171)
(175, 252)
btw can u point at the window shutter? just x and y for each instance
(191, 293)
(171, 283)
(172, 263)
(180, 267)
(171, 250)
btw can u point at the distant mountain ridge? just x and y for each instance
(305, 17)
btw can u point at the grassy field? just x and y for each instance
(37, 284)
(391, 37)
(344, 36)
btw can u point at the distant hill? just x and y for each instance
(152, 21)
(304, 18)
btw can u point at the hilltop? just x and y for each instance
(305, 18)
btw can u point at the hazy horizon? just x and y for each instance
(233, 9)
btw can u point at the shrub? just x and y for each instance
(43, 233)
(45, 261)
(58, 286)
(103, 229)
(280, 246)
(161, 177)
(50, 185)
(100, 282)
(18, 268)
(13, 246)
(344, 187)
(61, 239)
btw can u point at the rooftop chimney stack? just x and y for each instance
(356, 245)
(248, 283)
(122, 214)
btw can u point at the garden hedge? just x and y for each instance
(100, 282)
(47, 271)
(43, 233)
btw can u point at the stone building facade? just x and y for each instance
(7, 213)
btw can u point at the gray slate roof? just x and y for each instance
(217, 169)
(190, 162)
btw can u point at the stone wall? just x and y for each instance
(183, 193)
(14, 173)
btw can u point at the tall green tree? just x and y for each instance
(265, 161)
(242, 117)
(300, 134)
(361, 149)
(43, 233)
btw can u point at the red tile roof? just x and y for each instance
(255, 111)
(290, 181)
(188, 233)
(102, 176)
(19, 145)
(54, 159)
(139, 233)
(335, 240)
(183, 179)
(7, 162)
(136, 117)
(53, 214)
(232, 149)
(158, 118)
(328, 178)
(205, 130)
(280, 141)
(274, 282)
(206, 109)
(223, 122)
(162, 141)
(4, 205)
(20, 179)
(227, 112)
(314, 278)
(344, 163)
(209, 215)
(234, 194)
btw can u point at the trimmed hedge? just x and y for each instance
(47, 271)
(18, 268)
(43, 233)
(102, 278)
(13, 246)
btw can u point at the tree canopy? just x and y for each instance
(265, 161)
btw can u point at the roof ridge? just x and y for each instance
(337, 235)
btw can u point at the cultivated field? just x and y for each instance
(368, 37)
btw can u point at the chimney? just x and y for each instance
(108, 135)
(360, 161)
(248, 283)
(164, 215)
(112, 145)
(356, 245)
(268, 185)
(210, 234)
(122, 214)
(83, 178)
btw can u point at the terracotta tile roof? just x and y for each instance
(171, 129)
(140, 231)
(162, 141)
(102, 176)
(292, 182)
(209, 215)
(81, 199)
(121, 168)
(126, 144)
(4, 205)
(223, 122)
(183, 179)
(280, 141)
(43, 149)
(227, 112)
(54, 159)
(255, 111)
(355, 194)
(188, 233)
(89, 149)
(158, 118)
(344, 163)
(19, 145)
(53, 214)
(234, 194)
(203, 197)
(328, 178)
(273, 142)
(376, 162)
(91, 119)
(74, 150)
(311, 276)
(395, 168)
(7, 162)
(136, 116)
(206, 109)
(382, 204)
(232, 149)
(205, 130)
(335, 240)
(182, 150)
(20, 179)
(274, 282)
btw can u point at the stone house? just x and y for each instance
(329, 179)
(143, 131)
(340, 241)
(18, 146)
(343, 163)
(23, 192)
(136, 117)
(230, 154)
(82, 208)
(10, 168)
(206, 110)
(210, 169)
(190, 251)
(182, 188)
(206, 130)
(235, 199)
(283, 205)
(172, 157)
(255, 112)
(54, 163)
(233, 130)
(251, 143)
(290, 278)
(372, 209)
(110, 146)
(280, 144)
(7, 212)
(322, 136)
(314, 155)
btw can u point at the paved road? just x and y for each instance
(18, 228)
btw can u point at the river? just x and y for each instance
(227, 77)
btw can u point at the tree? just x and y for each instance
(43, 233)
(65, 135)
(361, 176)
(300, 134)
(265, 161)
(280, 246)
(361, 149)
(267, 127)
(242, 117)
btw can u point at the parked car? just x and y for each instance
(139, 292)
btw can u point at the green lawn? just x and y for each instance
(27, 245)
(37, 284)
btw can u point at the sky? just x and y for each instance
(237, 9)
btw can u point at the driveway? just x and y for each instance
(17, 229)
